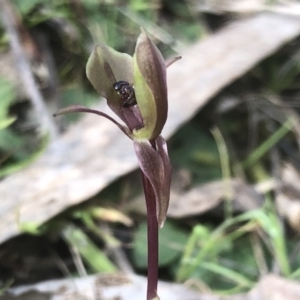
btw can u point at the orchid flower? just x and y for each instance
(136, 91)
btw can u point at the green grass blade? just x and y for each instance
(229, 274)
(269, 143)
(225, 167)
(92, 255)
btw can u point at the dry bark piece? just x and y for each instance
(93, 153)
(272, 287)
(128, 287)
(105, 287)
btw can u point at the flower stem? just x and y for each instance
(152, 230)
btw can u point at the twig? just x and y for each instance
(9, 22)
(78, 261)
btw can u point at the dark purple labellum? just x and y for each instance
(126, 92)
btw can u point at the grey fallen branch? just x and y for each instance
(9, 21)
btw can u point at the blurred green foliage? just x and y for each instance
(197, 151)
(171, 242)
(12, 145)
(223, 257)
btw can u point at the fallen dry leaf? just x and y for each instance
(205, 197)
(93, 153)
(290, 7)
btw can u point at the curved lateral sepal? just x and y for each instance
(155, 164)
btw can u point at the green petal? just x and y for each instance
(150, 87)
(148, 109)
(105, 67)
